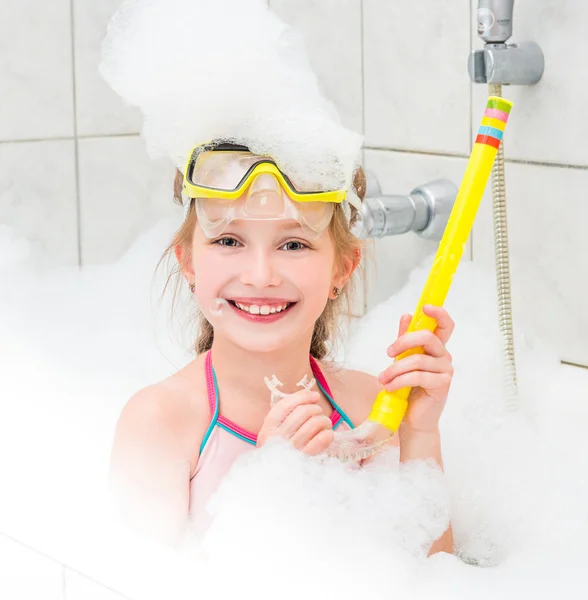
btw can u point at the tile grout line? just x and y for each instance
(418, 152)
(56, 560)
(471, 116)
(516, 161)
(362, 37)
(538, 163)
(572, 364)
(75, 125)
(363, 126)
(519, 161)
(66, 138)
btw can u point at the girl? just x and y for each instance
(279, 260)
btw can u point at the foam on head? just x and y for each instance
(201, 70)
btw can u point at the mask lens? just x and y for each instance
(222, 170)
(315, 215)
(214, 214)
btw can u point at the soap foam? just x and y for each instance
(203, 70)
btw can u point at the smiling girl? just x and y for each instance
(278, 257)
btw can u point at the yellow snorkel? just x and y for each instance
(390, 407)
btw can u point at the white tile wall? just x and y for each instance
(547, 122)
(36, 88)
(417, 97)
(397, 67)
(547, 216)
(38, 195)
(400, 173)
(26, 574)
(417, 90)
(100, 111)
(122, 193)
(78, 587)
(332, 34)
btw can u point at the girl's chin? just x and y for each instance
(263, 344)
(263, 340)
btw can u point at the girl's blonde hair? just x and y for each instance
(346, 246)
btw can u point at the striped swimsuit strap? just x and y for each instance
(337, 416)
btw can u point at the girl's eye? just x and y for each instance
(294, 246)
(229, 242)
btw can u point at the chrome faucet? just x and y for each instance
(425, 210)
(499, 62)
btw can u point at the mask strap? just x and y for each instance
(186, 203)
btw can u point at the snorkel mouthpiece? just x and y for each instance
(276, 395)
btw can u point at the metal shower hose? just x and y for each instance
(501, 254)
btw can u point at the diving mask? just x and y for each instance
(228, 182)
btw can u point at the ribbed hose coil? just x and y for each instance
(503, 285)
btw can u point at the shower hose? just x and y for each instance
(502, 260)
(487, 156)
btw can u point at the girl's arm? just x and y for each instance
(151, 464)
(429, 373)
(423, 445)
(357, 392)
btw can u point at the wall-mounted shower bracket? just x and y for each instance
(500, 63)
(503, 64)
(425, 210)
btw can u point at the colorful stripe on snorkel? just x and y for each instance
(493, 123)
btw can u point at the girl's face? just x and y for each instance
(275, 278)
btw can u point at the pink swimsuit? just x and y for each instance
(225, 441)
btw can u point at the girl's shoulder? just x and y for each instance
(354, 391)
(172, 414)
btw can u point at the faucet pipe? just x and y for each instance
(425, 210)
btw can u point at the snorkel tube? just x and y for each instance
(390, 407)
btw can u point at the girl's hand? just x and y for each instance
(429, 374)
(300, 419)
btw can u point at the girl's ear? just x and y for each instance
(349, 264)
(183, 258)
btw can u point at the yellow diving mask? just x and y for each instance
(228, 182)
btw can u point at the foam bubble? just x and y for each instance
(515, 484)
(218, 307)
(231, 69)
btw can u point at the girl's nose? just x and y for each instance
(261, 272)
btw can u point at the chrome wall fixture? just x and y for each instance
(425, 210)
(499, 62)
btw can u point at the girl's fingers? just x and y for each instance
(296, 419)
(424, 339)
(284, 407)
(310, 429)
(319, 443)
(427, 381)
(415, 362)
(445, 324)
(404, 324)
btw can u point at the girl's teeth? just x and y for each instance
(254, 309)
